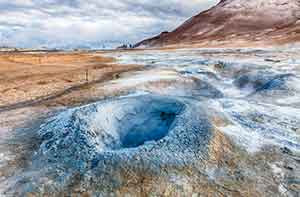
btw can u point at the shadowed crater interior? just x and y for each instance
(133, 122)
(153, 125)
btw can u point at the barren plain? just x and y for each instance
(181, 122)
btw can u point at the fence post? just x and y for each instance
(87, 75)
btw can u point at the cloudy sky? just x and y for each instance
(76, 23)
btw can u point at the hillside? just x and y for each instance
(237, 22)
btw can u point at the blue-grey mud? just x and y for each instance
(187, 122)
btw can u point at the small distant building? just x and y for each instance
(126, 46)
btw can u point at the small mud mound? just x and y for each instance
(267, 83)
(278, 82)
(185, 87)
(252, 80)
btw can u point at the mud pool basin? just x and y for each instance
(121, 128)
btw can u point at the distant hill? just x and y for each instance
(236, 23)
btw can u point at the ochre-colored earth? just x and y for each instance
(28, 78)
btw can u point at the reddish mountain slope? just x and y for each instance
(237, 22)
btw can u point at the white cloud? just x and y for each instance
(59, 23)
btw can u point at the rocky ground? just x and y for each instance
(185, 122)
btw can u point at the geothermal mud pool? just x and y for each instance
(210, 121)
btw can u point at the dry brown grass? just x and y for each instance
(26, 77)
